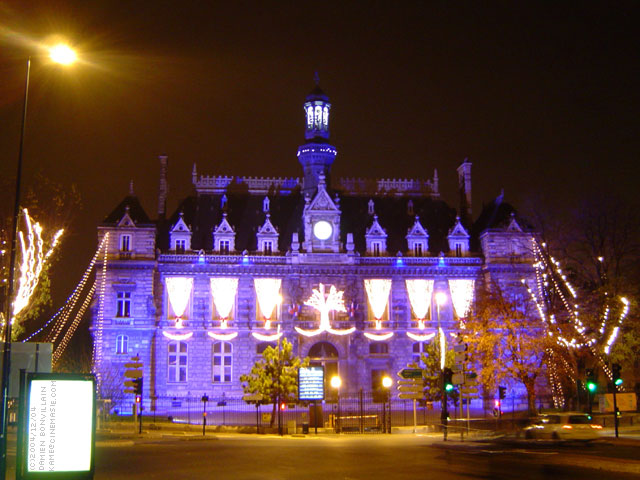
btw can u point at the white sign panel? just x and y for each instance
(311, 383)
(59, 426)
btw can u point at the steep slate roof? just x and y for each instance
(245, 214)
(136, 212)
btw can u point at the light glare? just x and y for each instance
(62, 54)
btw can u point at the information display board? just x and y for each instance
(57, 426)
(311, 383)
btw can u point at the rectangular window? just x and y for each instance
(181, 246)
(376, 247)
(225, 246)
(458, 250)
(222, 362)
(378, 348)
(267, 248)
(123, 304)
(419, 348)
(177, 362)
(125, 243)
(417, 249)
(122, 344)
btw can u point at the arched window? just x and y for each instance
(122, 344)
(177, 362)
(222, 362)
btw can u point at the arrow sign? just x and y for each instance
(410, 388)
(133, 373)
(410, 396)
(133, 365)
(129, 391)
(468, 389)
(461, 357)
(130, 383)
(463, 347)
(410, 373)
(457, 378)
(413, 381)
(252, 397)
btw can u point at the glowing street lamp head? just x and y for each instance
(441, 298)
(387, 382)
(336, 382)
(62, 54)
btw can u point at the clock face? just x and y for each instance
(322, 230)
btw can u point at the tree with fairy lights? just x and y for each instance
(508, 339)
(588, 279)
(275, 376)
(47, 203)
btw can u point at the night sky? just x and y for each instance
(542, 98)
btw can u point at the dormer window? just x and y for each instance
(417, 249)
(225, 246)
(458, 250)
(181, 246)
(267, 247)
(376, 247)
(125, 243)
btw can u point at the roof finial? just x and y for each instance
(131, 188)
(316, 78)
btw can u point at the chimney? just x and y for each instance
(162, 190)
(464, 187)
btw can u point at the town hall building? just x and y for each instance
(346, 269)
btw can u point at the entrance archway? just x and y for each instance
(325, 354)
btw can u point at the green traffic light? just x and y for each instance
(448, 387)
(592, 387)
(618, 381)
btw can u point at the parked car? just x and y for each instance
(564, 426)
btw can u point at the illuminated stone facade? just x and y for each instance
(278, 239)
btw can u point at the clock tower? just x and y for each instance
(321, 221)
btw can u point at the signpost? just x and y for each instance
(134, 385)
(56, 427)
(411, 387)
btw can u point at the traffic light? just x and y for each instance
(448, 379)
(502, 393)
(617, 379)
(591, 383)
(137, 389)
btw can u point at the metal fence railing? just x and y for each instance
(358, 412)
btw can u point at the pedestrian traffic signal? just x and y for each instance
(502, 392)
(617, 379)
(447, 374)
(591, 383)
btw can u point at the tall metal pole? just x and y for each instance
(444, 414)
(6, 355)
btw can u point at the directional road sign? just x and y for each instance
(411, 388)
(133, 373)
(457, 378)
(410, 373)
(410, 396)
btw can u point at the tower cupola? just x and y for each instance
(316, 155)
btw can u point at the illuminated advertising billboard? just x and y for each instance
(311, 383)
(57, 426)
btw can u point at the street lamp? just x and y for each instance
(336, 383)
(386, 384)
(66, 56)
(441, 299)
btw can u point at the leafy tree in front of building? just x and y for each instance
(275, 376)
(432, 373)
(508, 340)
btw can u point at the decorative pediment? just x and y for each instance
(376, 230)
(180, 226)
(267, 227)
(224, 226)
(458, 230)
(322, 202)
(513, 225)
(126, 220)
(417, 230)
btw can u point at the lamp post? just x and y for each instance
(64, 55)
(386, 384)
(205, 399)
(336, 383)
(441, 299)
